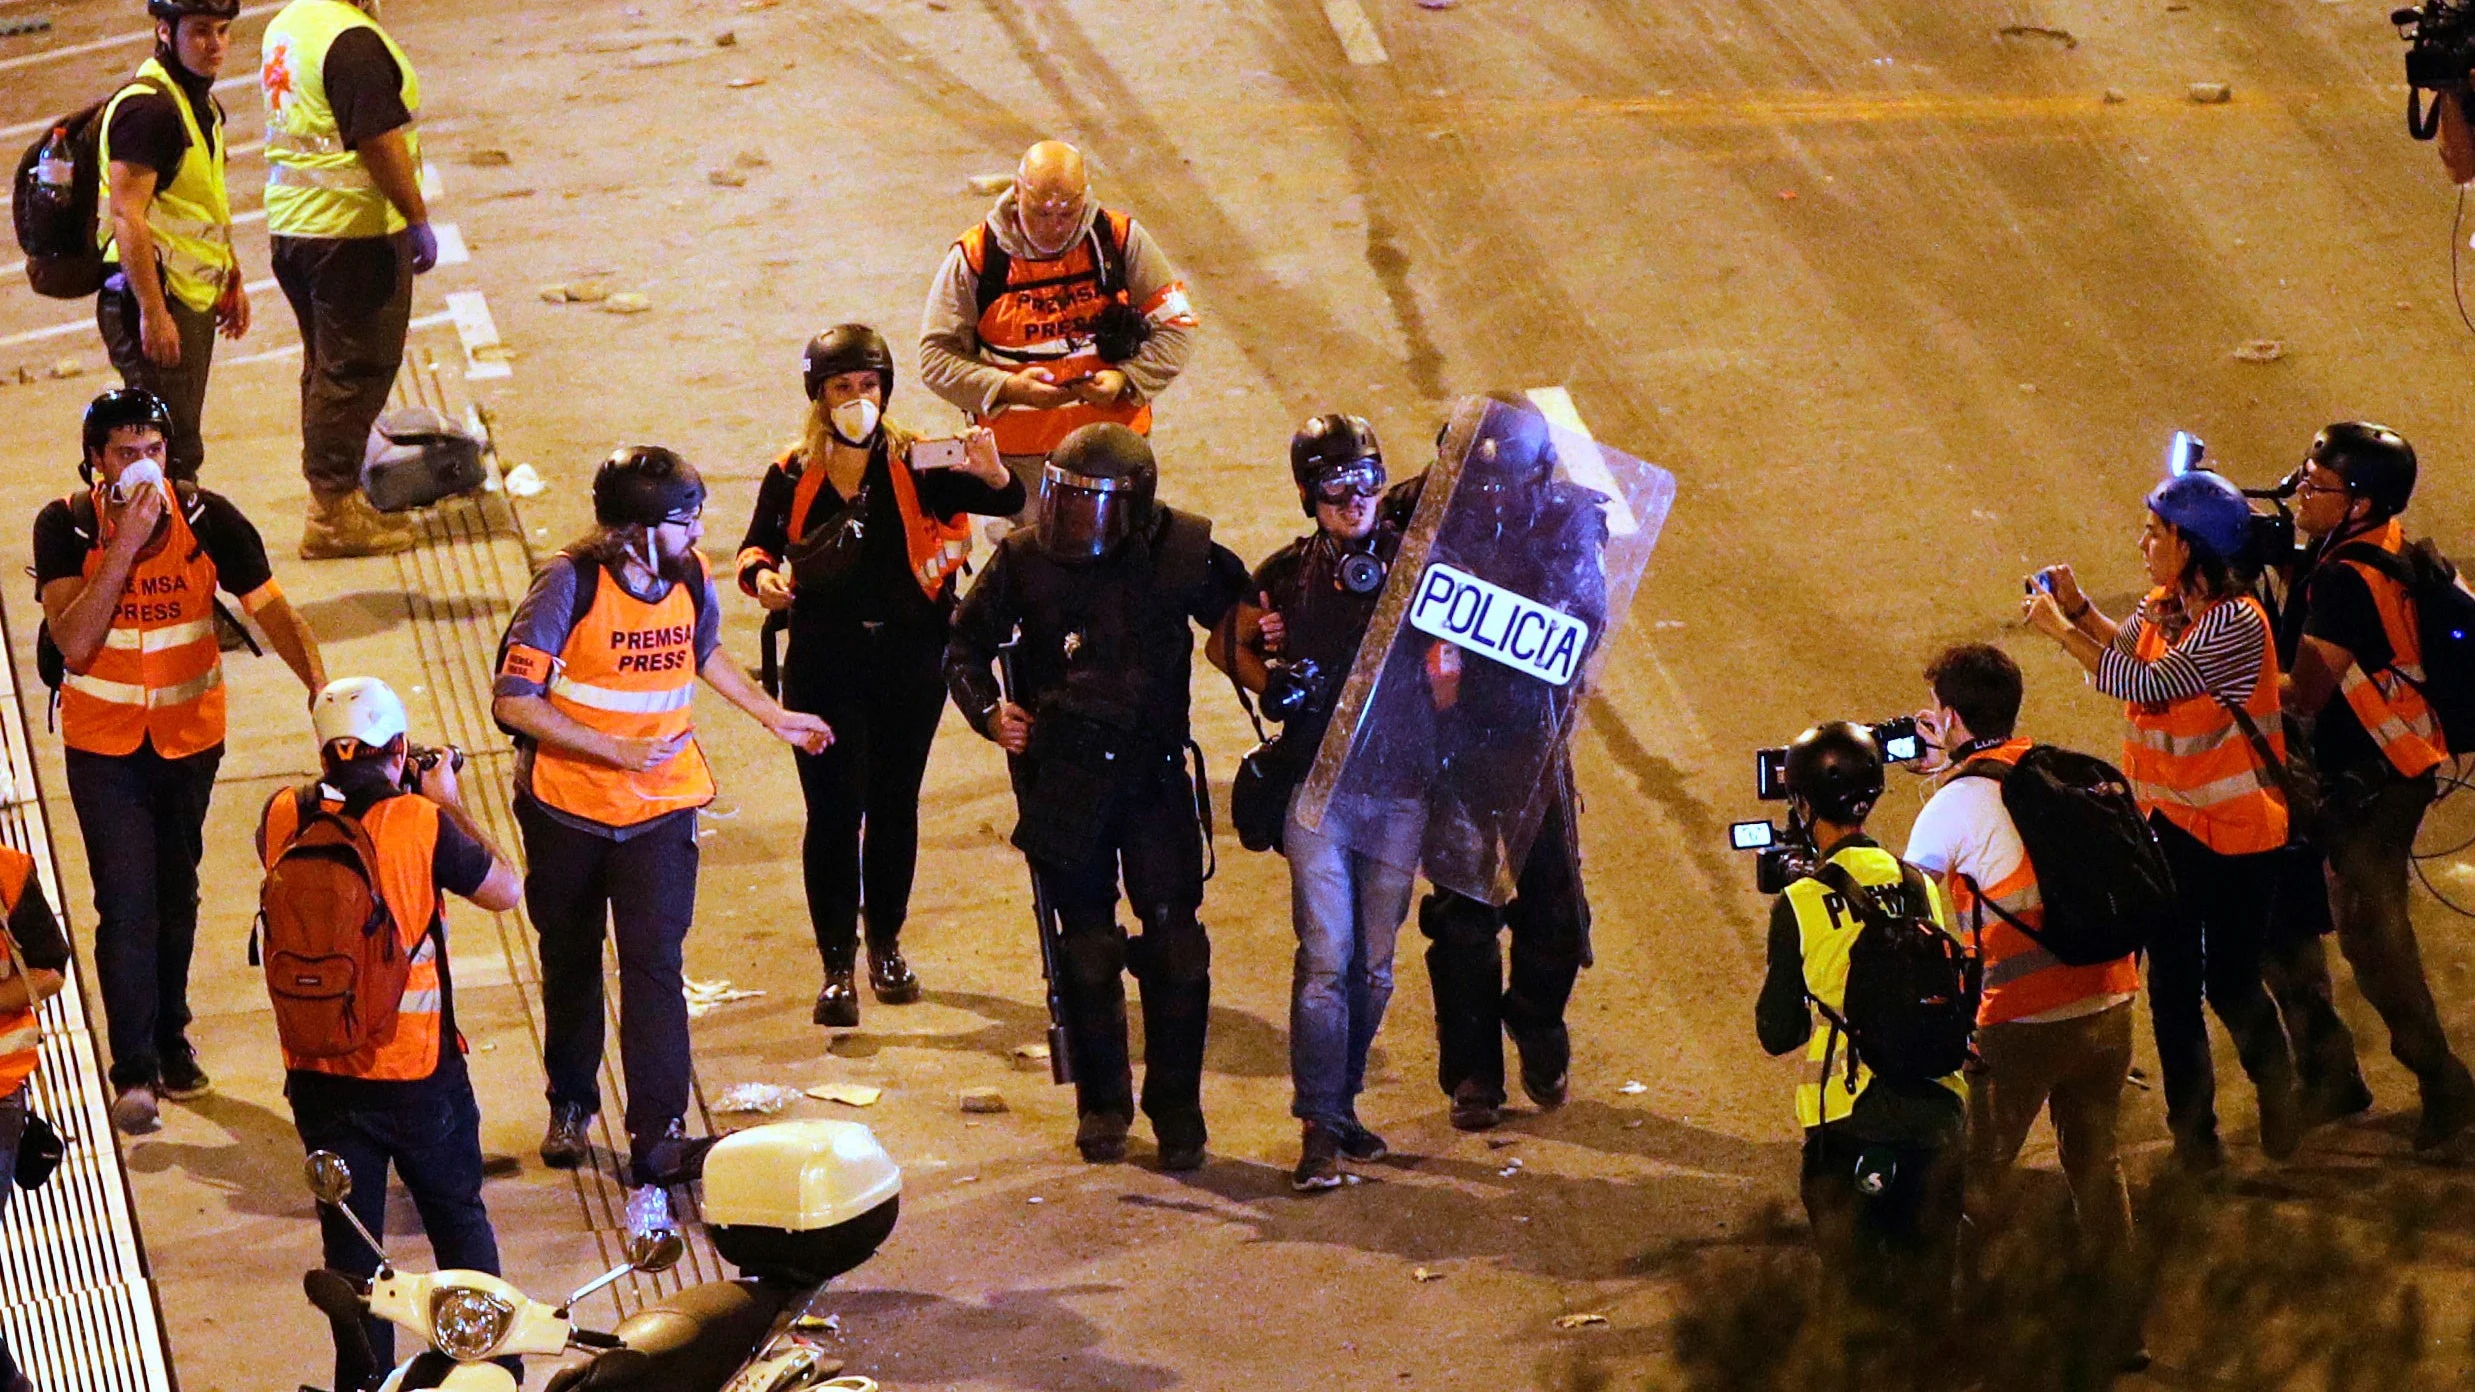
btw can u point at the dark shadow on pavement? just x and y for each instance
(1029, 1339)
(259, 1172)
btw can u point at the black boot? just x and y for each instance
(890, 977)
(837, 1006)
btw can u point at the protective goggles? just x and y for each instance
(1344, 483)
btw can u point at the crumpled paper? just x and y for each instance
(763, 1098)
(703, 996)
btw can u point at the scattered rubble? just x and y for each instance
(848, 1094)
(982, 1100)
(726, 178)
(489, 158)
(626, 302)
(2211, 93)
(763, 1099)
(1422, 1275)
(728, 38)
(1580, 1321)
(64, 368)
(2038, 31)
(702, 996)
(2259, 350)
(745, 82)
(2114, 96)
(1031, 1058)
(31, 24)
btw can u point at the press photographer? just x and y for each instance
(2439, 60)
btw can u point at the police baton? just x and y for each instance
(1060, 1055)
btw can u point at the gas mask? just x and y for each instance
(854, 422)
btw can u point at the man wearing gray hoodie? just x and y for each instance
(1053, 313)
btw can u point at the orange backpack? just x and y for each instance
(335, 965)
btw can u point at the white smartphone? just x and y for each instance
(942, 453)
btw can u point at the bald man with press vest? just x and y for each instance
(1051, 314)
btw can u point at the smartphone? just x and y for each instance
(1752, 836)
(942, 453)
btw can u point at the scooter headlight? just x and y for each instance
(466, 1323)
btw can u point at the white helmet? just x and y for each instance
(357, 708)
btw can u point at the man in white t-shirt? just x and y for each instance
(2053, 1037)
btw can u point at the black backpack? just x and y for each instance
(63, 259)
(1910, 1004)
(2444, 628)
(2103, 878)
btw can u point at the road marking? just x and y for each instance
(433, 183)
(146, 35)
(479, 334)
(75, 325)
(1356, 32)
(1584, 463)
(293, 349)
(451, 248)
(30, 127)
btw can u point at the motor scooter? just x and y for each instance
(790, 1204)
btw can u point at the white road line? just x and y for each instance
(1584, 463)
(78, 325)
(292, 350)
(238, 219)
(451, 248)
(479, 333)
(433, 183)
(145, 35)
(30, 127)
(1356, 32)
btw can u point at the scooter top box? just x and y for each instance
(800, 1200)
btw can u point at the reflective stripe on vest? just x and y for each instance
(628, 670)
(159, 674)
(405, 831)
(314, 186)
(936, 546)
(2021, 977)
(191, 215)
(2390, 702)
(1045, 316)
(21, 1031)
(1825, 931)
(2189, 761)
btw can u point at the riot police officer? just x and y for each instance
(1096, 599)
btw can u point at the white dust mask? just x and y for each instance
(855, 422)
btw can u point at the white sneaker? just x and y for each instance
(135, 1111)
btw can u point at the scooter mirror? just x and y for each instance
(658, 1250)
(329, 1177)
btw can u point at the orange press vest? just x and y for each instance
(21, 1034)
(2189, 760)
(2021, 977)
(1044, 317)
(628, 670)
(159, 674)
(405, 831)
(937, 546)
(2390, 702)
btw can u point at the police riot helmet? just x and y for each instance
(174, 11)
(2376, 462)
(1334, 449)
(1095, 492)
(121, 408)
(1836, 767)
(645, 486)
(2209, 511)
(848, 348)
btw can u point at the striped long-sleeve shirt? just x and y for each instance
(2219, 656)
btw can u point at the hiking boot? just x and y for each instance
(1101, 1137)
(135, 1112)
(2336, 1102)
(346, 525)
(675, 1158)
(837, 1006)
(1319, 1160)
(568, 1141)
(1360, 1144)
(182, 1079)
(890, 977)
(1546, 1076)
(2448, 1108)
(1476, 1107)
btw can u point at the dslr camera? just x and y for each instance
(1785, 855)
(420, 759)
(1292, 687)
(2440, 35)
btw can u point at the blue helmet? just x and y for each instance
(2209, 512)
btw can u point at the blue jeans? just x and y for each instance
(1348, 907)
(434, 1143)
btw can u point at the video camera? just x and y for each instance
(2272, 541)
(2441, 52)
(1787, 854)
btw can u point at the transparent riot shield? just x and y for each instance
(1516, 567)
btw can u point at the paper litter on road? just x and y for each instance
(702, 996)
(1579, 1321)
(848, 1094)
(762, 1098)
(1632, 1089)
(1422, 1275)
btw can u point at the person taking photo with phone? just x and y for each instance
(856, 540)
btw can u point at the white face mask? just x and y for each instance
(855, 421)
(138, 476)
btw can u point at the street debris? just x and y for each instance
(764, 1099)
(1031, 1058)
(982, 1100)
(751, 159)
(2259, 350)
(705, 995)
(664, 58)
(745, 82)
(2114, 96)
(2211, 93)
(31, 24)
(626, 302)
(1580, 1321)
(2038, 31)
(489, 158)
(810, 1324)
(1437, 4)
(848, 1094)
(1633, 1088)
(991, 184)
(726, 178)
(1035, 1199)
(581, 292)
(64, 368)
(1422, 1275)
(1511, 1168)
(524, 481)
(728, 38)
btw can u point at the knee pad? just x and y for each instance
(1173, 949)
(1091, 950)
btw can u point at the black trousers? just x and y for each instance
(2372, 817)
(1154, 843)
(2214, 953)
(1475, 1004)
(1890, 1257)
(353, 299)
(182, 386)
(143, 819)
(2294, 964)
(882, 688)
(644, 889)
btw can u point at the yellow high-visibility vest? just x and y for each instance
(314, 186)
(191, 217)
(1826, 929)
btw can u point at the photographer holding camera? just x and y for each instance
(2352, 633)
(1883, 1169)
(2205, 751)
(380, 835)
(1315, 597)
